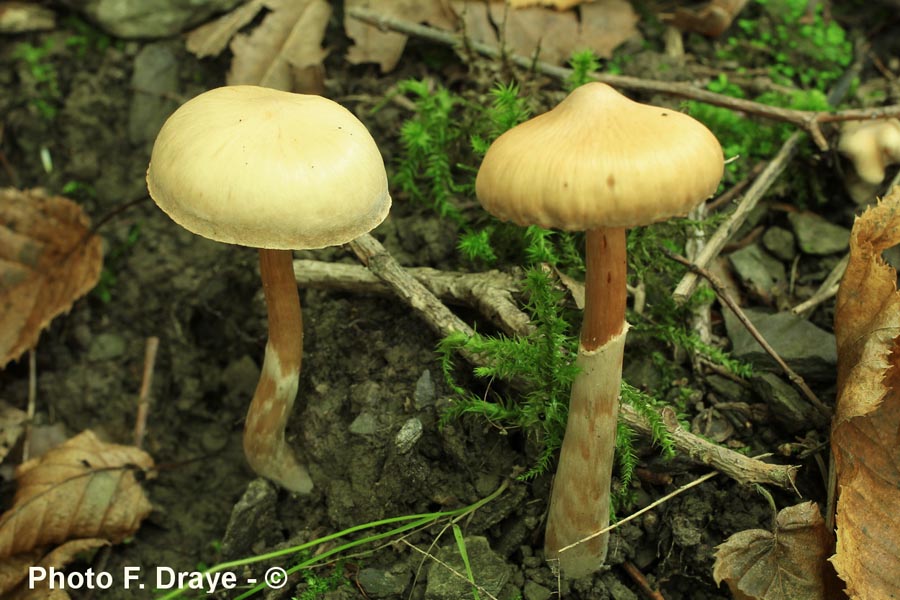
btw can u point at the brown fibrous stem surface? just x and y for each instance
(580, 500)
(265, 446)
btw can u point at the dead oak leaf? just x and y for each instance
(287, 43)
(865, 437)
(47, 261)
(787, 564)
(83, 489)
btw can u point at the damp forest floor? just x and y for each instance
(370, 369)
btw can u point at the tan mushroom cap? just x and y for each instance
(269, 169)
(599, 160)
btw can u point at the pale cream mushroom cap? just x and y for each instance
(872, 146)
(600, 160)
(269, 169)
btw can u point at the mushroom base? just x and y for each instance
(580, 501)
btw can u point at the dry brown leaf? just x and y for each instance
(600, 26)
(372, 45)
(711, 19)
(12, 424)
(14, 570)
(287, 43)
(80, 490)
(46, 263)
(211, 38)
(865, 439)
(788, 564)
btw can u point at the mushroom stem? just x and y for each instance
(604, 286)
(264, 443)
(579, 502)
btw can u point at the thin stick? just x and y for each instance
(490, 292)
(735, 190)
(739, 467)
(641, 581)
(827, 290)
(32, 402)
(381, 263)
(647, 508)
(809, 121)
(717, 241)
(450, 569)
(140, 422)
(726, 299)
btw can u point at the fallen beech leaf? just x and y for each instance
(211, 38)
(84, 489)
(286, 43)
(865, 434)
(372, 45)
(600, 26)
(14, 570)
(46, 263)
(12, 424)
(787, 564)
(712, 19)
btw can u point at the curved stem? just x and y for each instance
(264, 445)
(580, 500)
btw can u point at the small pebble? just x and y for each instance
(408, 435)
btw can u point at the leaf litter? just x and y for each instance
(789, 563)
(80, 495)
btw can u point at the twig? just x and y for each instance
(443, 322)
(826, 291)
(717, 241)
(735, 190)
(809, 121)
(641, 581)
(490, 292)
(739, 467)
(140, 423)
(647, 508)
(726, 298)
(450, 569)
(376, 257)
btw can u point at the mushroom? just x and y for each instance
(276, 171)
(599, 163)
(872, 147)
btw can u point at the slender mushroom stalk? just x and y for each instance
(264, 443)
(274, 171)
(599, 163)
(581, 489)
